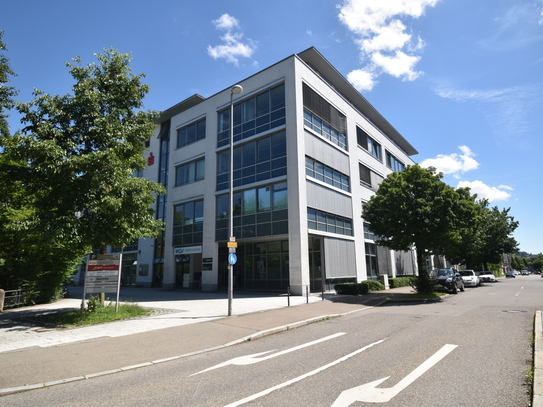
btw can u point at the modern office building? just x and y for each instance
(308, 151)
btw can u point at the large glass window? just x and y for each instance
(258, 212)
(252, 116)
(371, 261)
(368, 234)
(365, 175)
(254, 161)
(190, 172)
(393, 163)
(317, 170)
(369, 144)
(188, 223)
(192, 133)
(323, 118)
(328, 222)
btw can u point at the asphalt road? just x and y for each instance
(473, 349)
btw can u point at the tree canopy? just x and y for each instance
(486, 238)
(414, 208)
(70, 179)
(7, 93)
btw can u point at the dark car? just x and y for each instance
(449, 279)
(510, 274)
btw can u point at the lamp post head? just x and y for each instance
(236, 90)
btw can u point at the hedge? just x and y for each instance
(400, 282)
(358, 288)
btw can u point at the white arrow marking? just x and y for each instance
(251, 359)
(369, 392)
(297, 379)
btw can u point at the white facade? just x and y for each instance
(302, 172)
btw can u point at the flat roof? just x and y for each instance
(314, 59)
(326, 70)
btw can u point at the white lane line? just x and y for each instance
(251, 359)
(302, 377)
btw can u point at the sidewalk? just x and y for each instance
(191, 322)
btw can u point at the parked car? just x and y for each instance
(470, 278)
(510, 274)
(449, 279)
(487, 276)
(525, 272)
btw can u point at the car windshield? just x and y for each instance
(444, 273)
(486, 272)
(466, 273)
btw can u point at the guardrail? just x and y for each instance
(11, 299)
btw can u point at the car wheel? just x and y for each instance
(454, 289)
(462, 287)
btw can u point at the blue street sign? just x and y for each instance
(232, 258)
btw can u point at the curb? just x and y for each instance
(537, 391)
(260, 334)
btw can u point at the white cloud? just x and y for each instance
(455, 164)
(361, 80)
(383, 39)
(509, 111)
(398, 65)
(517, 27)
(484, 191)
(226, 22)
(233, 47)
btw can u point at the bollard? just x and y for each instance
(2, 296)
(307, 294)
(322, 289)
(288, 296)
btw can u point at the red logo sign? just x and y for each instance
(150, 159)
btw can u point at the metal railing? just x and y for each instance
(12, 299)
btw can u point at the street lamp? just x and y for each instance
(236, 90)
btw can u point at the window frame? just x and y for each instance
(190, 172)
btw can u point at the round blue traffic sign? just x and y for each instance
(232, 258)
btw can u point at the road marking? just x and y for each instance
(297, 379)
(252, 359)
(369, 392)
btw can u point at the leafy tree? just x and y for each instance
(7, 93)
(519, 262)
(415, 208)
(486, 239)
(537, 263)
(74, 165)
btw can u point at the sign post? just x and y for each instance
(103, 275)
(231, 244)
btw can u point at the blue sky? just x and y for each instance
(462, 80)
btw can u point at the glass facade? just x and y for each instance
(255, 161)
(258, 212)
(371, 261)
(192, 133)
(328, 222)
(253, 116)
(260, 266)
(323, 118)
(188, 223)
(393, 163)
(318, 170)
(369, 144)
(190, 172)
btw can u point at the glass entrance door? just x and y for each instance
(182, 272)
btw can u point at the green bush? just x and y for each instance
(400, 282)
(358, 288)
